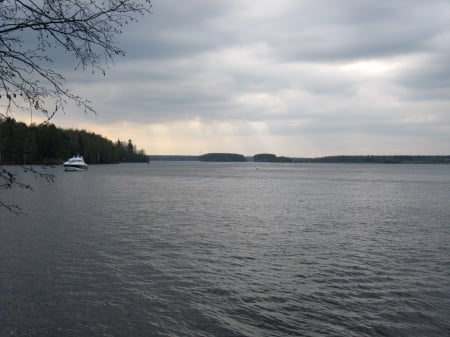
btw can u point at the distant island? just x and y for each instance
(272, 158)
(222, 157)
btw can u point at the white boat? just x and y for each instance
(76, 163)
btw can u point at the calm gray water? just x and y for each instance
(202, 249)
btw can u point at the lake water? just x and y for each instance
(248, 249)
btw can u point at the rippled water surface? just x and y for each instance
(203, 249)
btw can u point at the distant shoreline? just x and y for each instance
(356, 159)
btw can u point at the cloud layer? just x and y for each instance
(298, 78)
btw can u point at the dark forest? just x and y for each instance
(47, 144)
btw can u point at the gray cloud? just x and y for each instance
(362, 29)
(294, 69)
(432, 73)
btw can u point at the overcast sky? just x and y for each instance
(290, 77)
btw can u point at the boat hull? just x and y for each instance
(75, 168)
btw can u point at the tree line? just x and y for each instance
(379, 159)
(235, 157)
(48, 144)
(222, 157)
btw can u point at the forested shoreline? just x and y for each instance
(350, 159)
(48, 144)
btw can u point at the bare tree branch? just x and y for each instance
(86, 29)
